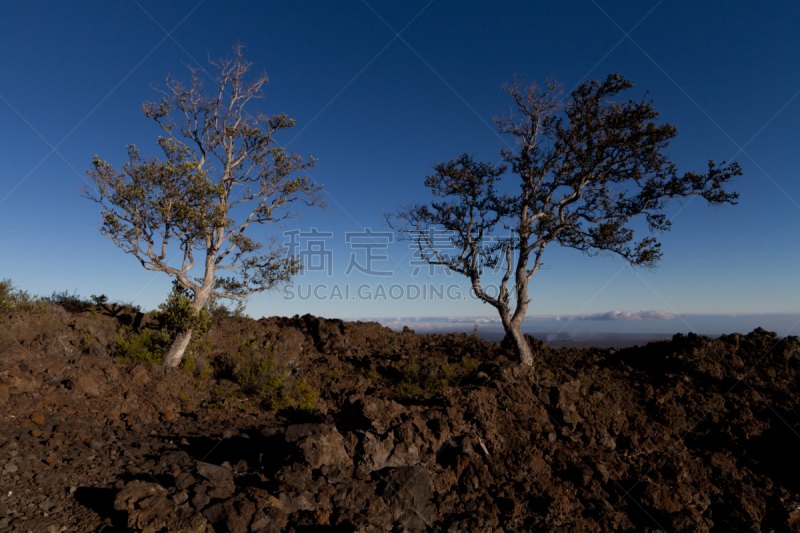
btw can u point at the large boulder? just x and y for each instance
(151, 508)
(318, 444)
(408, 493)
(329, 335)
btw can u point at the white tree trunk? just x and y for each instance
(175, 354)
(513, 327)
(521, 346)
(176, 351)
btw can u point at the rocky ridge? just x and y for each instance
(410, 433)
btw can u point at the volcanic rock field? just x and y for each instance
(408, 432)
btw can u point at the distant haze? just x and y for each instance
(619, 328)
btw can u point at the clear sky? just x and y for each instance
(378, 109)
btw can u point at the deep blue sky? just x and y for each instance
(378, 111)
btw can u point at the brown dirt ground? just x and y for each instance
(692, 434)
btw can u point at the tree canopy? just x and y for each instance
(218, 160)
(587, 167)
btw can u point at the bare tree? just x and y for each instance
(587, 168)
(218, 159)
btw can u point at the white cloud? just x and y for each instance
(618, 314)
(434, 319)
(422, 321)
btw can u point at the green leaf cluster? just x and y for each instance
(177, 314)
(13, 299)
(143, 346)
(417, 381)
(393, 345)
(258, 373)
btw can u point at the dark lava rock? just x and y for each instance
(413, 433)
(218, 475)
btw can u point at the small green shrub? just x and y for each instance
(196, 346)
(435, 387)
(469, 364)
(394, 343)
(408, 388)
(222, 391)
(71, 302)
(449, 374)
(417, 381)
(12, 299)
(412, 369)
(130, 308)
(333, 374)
(258, 374)
(205, 371)
(183, 396)
(177, 313)
(189, 364)
(87, 341)
(555, 376)
(6, 295)
(303, 396)
(144, 346)
(374, 376)
(254, 371)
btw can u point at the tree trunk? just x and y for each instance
(521, 346)
(175, 354)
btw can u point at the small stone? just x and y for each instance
(217, 475)
(37, 418)
(466, 446)
(551, 437)
(200, 500)
(322, 517)
(215, 513)
(184, 480)
(303, 501)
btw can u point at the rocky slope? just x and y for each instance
(410, 433)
